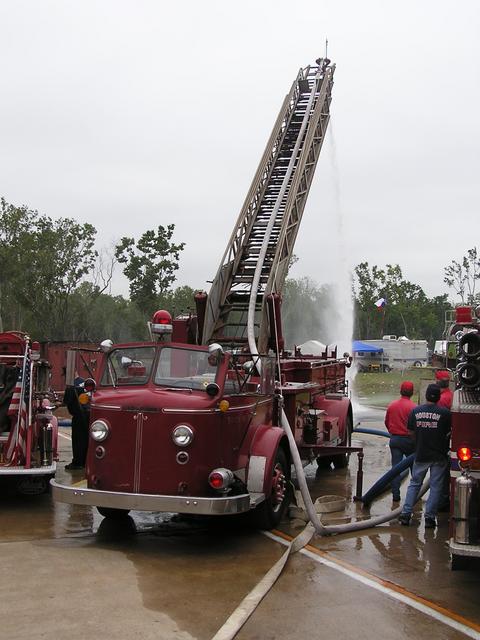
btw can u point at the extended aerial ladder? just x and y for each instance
(274, 205)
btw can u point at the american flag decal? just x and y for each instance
(19, 415)
(15, 401)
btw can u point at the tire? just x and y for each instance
(417, 363)
(324, 462)
(459, 563)
(270, 512)
(113, 514)
(341, 461)
(386, 368)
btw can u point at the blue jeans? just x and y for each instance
(400, 447)
(419, 471)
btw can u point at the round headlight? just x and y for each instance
(99, 430)
(182, 435)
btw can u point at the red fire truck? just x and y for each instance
(191, 421)
(464, 334)
(28, 430)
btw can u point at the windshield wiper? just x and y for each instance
(177, 389)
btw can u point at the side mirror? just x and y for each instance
(212, 389)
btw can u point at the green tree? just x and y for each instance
(367, 286)
(408, 310)
(63, 254)
(97, 315)
(433, 318)
(307, 312)
(180, 300)
(150, 265)
(16, 224)
(42, 262)
(462, 276)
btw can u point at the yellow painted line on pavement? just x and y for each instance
(82, 484)
(434, 610)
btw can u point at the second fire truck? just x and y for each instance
(28, 429)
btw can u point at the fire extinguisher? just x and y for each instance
(46, 434)
(465, 512)
(47, 454)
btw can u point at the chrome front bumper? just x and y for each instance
(48, 470)
(79, 494)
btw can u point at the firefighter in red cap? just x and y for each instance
(401, 442)
(446, 396)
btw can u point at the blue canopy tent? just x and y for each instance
(361, 347)
(368, 357)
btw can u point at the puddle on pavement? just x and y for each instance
(173, 555)
(159, 545)
(413, 557)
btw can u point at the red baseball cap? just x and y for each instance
(441, 374)
(406, 387)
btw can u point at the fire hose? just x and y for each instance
(382, 483)
(237, 619)
(251, 601)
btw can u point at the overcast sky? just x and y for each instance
(133, 114)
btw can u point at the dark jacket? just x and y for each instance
(431, 425)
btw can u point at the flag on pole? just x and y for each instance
(19, 411)
(380, 303)
(15, 401)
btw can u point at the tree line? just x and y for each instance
(55, 285)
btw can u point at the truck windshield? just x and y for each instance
(127, 366)
(185, 369)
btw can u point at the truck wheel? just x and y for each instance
(417, 363)
(386, 368)
(341, 461)
(113, 514)
(459, 563)
(269, 513)
(324, 462)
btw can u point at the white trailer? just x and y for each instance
(400, 353)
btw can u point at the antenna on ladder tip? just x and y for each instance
(324, 62)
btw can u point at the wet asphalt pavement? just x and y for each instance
(68, 573)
